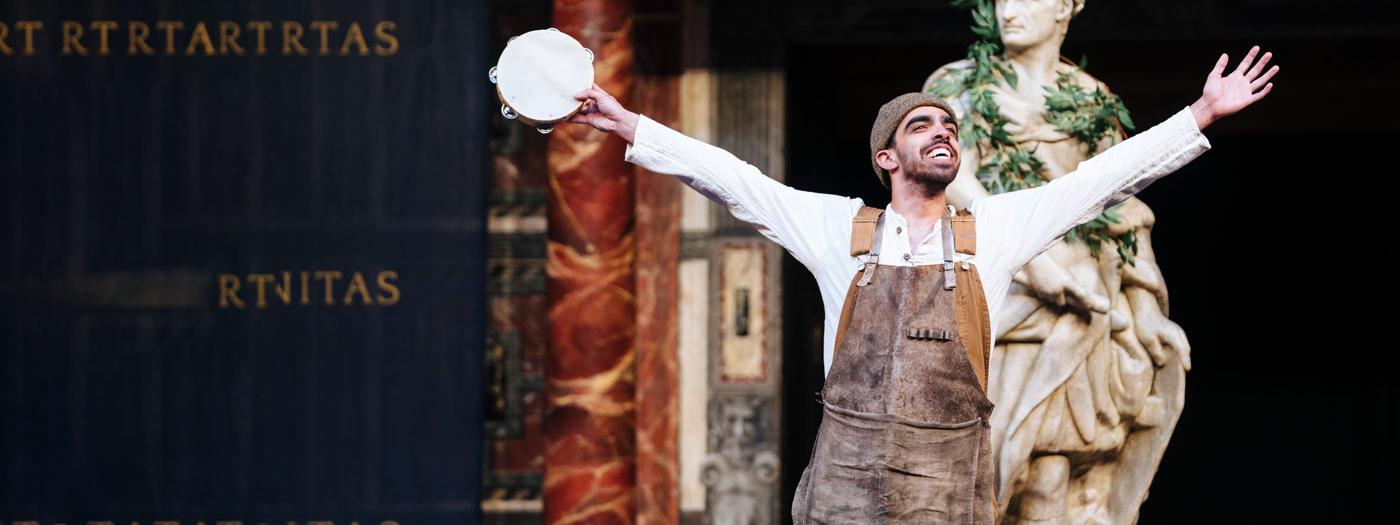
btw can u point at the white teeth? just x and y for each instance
(940, 152)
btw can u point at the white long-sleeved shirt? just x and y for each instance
(1012, 227)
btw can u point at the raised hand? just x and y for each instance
(605, 113)
(1224, 94)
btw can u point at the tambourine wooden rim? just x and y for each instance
(538, 74)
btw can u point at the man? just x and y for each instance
(905, 434)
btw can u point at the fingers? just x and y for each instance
(1258, 68)
(591, 120)
(1084, 299)
(1220, 65)
(1267, 88)
(593, 93)
(1248, 60)
(1264, 79)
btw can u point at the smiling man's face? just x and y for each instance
(926, 147)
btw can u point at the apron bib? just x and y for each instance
(905, 434)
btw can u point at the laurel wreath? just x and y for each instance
(1086, 116)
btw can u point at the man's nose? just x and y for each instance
(941, 132)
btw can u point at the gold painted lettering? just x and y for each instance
(228, 291)
(102, 27)
(353, 35)
(388, 43)
(262, 279)
(260, 27)
(291, 38)
(200, 37)
(386, 286)
(357, 283)
(284, 288)
(170, 27)
(72, 36)
(329, 277)
(228, 38)
(305, 285)
(29, 27)
(5, 48)
(137, 33)
(324, 26)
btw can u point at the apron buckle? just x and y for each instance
(869, 271)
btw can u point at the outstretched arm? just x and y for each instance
(805, 223)
(1039, 216)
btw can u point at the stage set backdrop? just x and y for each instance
(272, 262)
(242, 261)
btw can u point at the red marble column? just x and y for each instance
(658, 260)
(590, 422)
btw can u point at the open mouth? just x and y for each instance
(939, 151)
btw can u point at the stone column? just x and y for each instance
(590, 422)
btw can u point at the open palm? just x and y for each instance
(1225, 94)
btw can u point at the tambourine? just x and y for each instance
(538, 75)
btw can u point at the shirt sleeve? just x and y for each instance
(1029, 221)
(802, 222)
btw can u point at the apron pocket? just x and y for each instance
(845, 479)
(931, 473)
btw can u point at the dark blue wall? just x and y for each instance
(130, 184)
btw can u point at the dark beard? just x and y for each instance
(923, 173)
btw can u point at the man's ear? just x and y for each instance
(885, 159)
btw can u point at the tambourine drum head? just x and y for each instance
(540, 72)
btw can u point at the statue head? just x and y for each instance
(1029, 23)
(915, 137)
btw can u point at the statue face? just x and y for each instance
(1027, 23)
(926, 147)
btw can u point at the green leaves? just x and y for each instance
(984, 19)
(1088, 117)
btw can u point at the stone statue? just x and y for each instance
(1088, 372)
(740, 472)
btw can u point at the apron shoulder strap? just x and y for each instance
(965, 232)
(863, 230)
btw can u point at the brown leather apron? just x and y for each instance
(905, 435)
